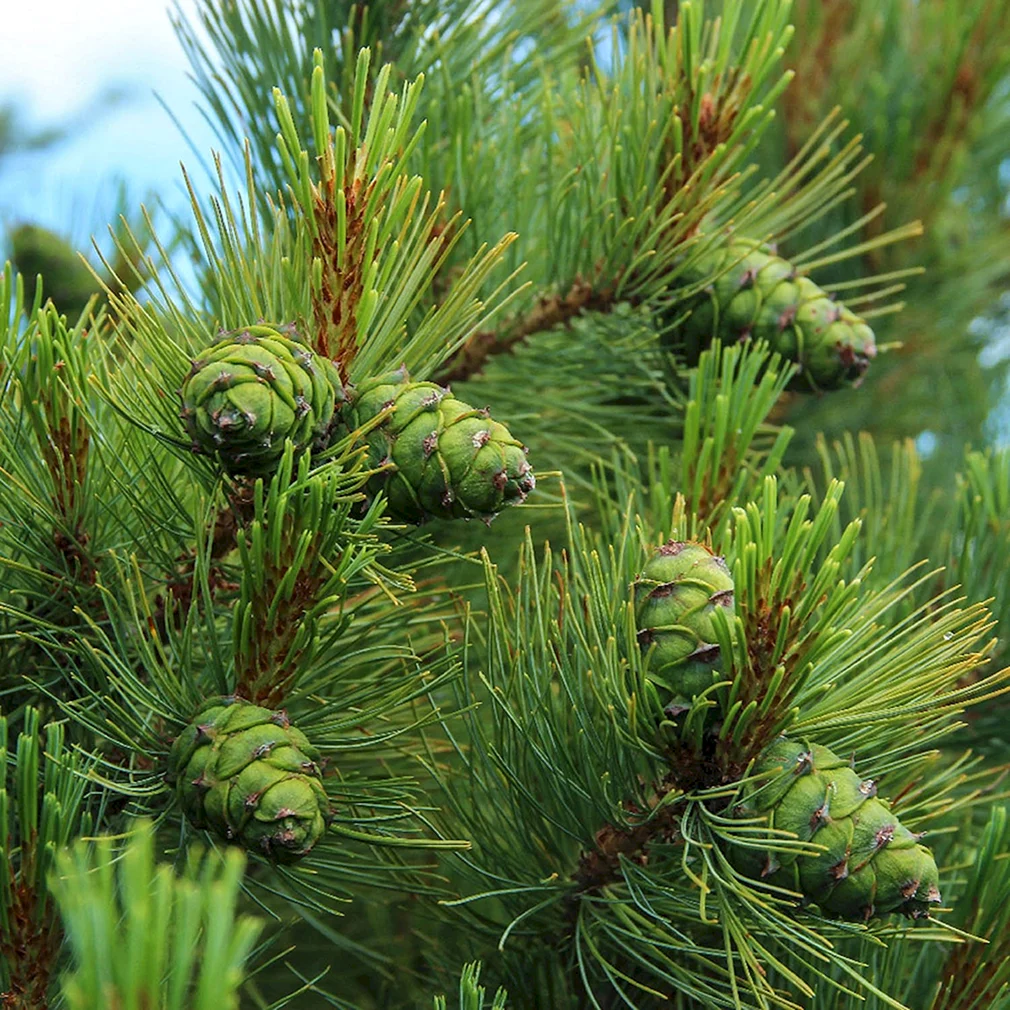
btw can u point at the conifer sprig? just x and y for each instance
(15, 313)
(727, 447)
(46, 800)
(142, 934)
(239, 53)
(299, 553)
(472, 995)
(619, 228)
(722, 445)
(644, 752)
(973, 975)
(376, 250)
(350, 284)
(883, 492)
(960, 528)
(85, 481)
(47, 392)
(81, 482)
(617, 225)
(358, 705)
(983, 532)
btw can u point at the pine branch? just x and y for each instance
(641, 232)
(357, 699)
(720, 449)
(618, 224)
(895, 512)
(631, 806)
(299, 554)
(62, 433)
(376, 247)
(640, 745)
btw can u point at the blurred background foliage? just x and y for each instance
(928, 87)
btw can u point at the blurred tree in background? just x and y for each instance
(927, 85)
(16, 137)
(36, 250)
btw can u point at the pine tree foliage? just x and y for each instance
(711, 716)
(616, 823)
(924, 83)
(471, 994)
(45, 802)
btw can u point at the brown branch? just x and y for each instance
(264, 675)
(266, 670)
(30, 950)
(761, 634)
(691, 771)
(602, 865)
(550, 311)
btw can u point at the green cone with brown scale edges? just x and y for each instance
(760, 295)
(677, 596)
(251, 390)
(444, 458)
(871, 865)
(246, 774)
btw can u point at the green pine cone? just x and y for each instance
(872, 864)
(251, 390)
(65, 279)
(760, 295)
(677, 597)
(449, 460)
(246, 774)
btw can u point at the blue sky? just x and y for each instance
(56, 58)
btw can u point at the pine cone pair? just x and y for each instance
(256, 388)
(871, 864)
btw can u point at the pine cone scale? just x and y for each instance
(242, 772)
(870, 863)
(443, 458)
(250, 392)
